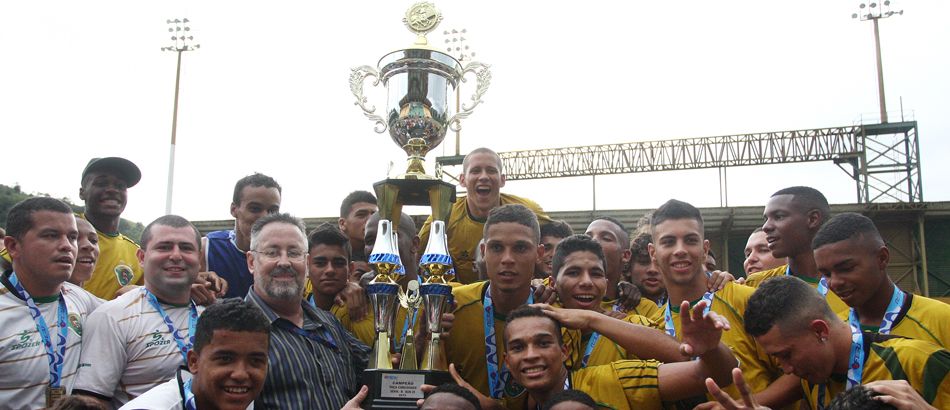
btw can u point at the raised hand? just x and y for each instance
(701, 333)
(748, 402)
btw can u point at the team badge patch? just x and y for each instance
(75, 323)
(124, 274)
(512, 388)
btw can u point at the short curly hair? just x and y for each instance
(787, 302)
(574, 243)
(231, 314)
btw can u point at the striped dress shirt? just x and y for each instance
(303, 373)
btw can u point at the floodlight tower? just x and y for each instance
(455, 45)
(874, 12)
(181, 37)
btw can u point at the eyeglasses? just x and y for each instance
(272, 254)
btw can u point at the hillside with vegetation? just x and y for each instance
(9, 196)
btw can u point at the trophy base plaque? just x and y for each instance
(399, 389)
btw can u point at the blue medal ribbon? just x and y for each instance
(189, 398)
(192, 323)
(326, 339)
(495, 377)
(56, 356)
(590, 348)
(670, 329)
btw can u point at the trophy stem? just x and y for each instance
(381, 352)
(408, 359)
(416, 148)
(434, 356)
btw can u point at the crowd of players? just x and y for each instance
(271, 315)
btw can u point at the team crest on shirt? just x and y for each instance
(124, 274)
(512, 388)
(155, 339)
(75, 323)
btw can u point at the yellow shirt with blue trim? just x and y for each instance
(465, 232)
(754, 280)
(924, 365)
(920, 318)
(605, 351)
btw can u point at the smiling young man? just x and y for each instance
(314, 362)
(580, 284)
(758, 256)
(226, 367)
(138, 340)
(88, 252)
(511, 251)
(643, 271)
(36, 300)
(225, 252)
(853, 257)
(679, 250)
(613, 238)
(104, 190)
(792, 218)
(535, 354)
(794, 324)
(483, 177)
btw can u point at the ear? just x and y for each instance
(652, 251)
(706, 247)
(482, 247)
(540, 251)
(82, 193)
(820, 328)
(625, 257)
(13, 247)
(234, 208)
(250, 261)
(140, 255)
(462, 179)
(350, 268)
(503, 180)
(192, 362)
(564, 354)
(883, 256)
(416, 245)
(814, 219)
(342, 224)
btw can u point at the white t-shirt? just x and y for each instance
(165, 396)
(128, 348)
(24, 365)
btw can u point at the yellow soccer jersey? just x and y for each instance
(756, 279)
(117, 266)
(465, 232)
(624, 384)
(647, 308)
(730, 303)
(365, 329)
(466, 345)
(924, 365)
(605, 351)
(920, 318)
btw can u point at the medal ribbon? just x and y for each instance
(192, 322)
(590, 348)
(56, 356)
(189, 398)
(326, 339)
(822, 282)
(670, 329)
(495, 378)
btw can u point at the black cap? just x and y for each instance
(119, 167)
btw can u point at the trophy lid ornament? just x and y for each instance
(421, 18)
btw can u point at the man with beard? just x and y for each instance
(136, 341)
(483, 177)
(104, 189)
(314, 361)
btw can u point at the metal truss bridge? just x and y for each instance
(884, 159)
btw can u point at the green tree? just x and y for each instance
(10, 196)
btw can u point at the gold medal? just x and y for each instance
(53, 394)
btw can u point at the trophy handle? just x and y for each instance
(358, 76)
(483, 78)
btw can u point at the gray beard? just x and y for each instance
(283, 292)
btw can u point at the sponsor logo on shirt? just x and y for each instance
(24, 342)
(156, 340)
(75, 323)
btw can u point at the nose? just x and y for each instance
(768, 226)
(175, 254)
(787, 368)
(508, 257)
(239, 372)
(585, 281)
(834, 282)
(67, 243)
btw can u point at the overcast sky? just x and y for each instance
(268, 92)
